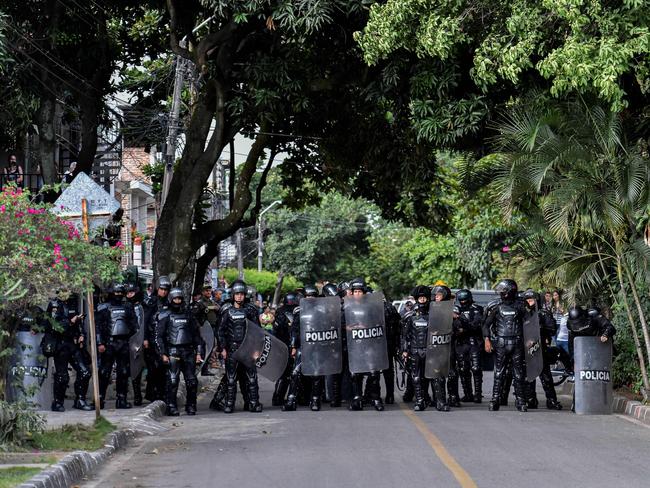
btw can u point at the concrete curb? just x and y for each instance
(79, 464)
(624, 406)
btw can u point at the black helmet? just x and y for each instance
(530, 294)
(593, 312)
(176, 293)
(578, 319)
(164, 282)
(131, 287)
(330, 290)
(311, 291)
(291, 299)
(445, 291)
(118, 288)
(421, 291)
(343, 288)
(507, 289)
(464, 297)
(238, 286)
(358, 284)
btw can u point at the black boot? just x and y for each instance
(290, 404)
(494, 405)
(553, 404)
(439, 390)
(356, 404)
(408, 391)
(231, 394)
(454, 401)
(378, 404)
(57, 407)
(81, 404)
(336, 392)
(532, 403)
(172, 410)
(217, 402)
(190, 409)
(478, 387)
(192, 388)
(279, 392)
(520, 403)
(121, 403)
(466, 383)
(315, 404)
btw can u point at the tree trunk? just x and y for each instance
(639, 307)
(240, 256)
(278, 289)
(89, 125)
(46, 122)
(635, 335)
(202, 263)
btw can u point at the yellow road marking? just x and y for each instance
(463, 478)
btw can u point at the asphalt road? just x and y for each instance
(338, 448)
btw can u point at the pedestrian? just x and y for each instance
(560, 315)
(13, 173)
(267, 318)
(548, 301)
(68, 176)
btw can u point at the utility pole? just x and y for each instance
(260, 243)
(173, 126)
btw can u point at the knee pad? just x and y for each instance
(62, 378)
(173, 378)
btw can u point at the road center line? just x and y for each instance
(463, 478)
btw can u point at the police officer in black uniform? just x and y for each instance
(155, 369)
(439, 386)
(468, 322)
(296, 374)
(393, 332)
(68, 340)
(178, 341)
(548, 329)
(342, 290)
(373, 388)
(284, 317)
(231, 333)
(414, 343)
(589, 322)
(134, 297)
(503, 334)
(116, 323)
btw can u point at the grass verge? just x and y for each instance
(10, 477)
(73, 437)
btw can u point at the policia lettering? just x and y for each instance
(322, 336)
(595, 376)
(440, 340)
(373, 333)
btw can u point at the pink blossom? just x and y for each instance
(505, 249)
(3, 208)
(47, 238)
(65, 266)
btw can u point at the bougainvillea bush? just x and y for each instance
(43, 254)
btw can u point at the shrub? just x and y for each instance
(18, 424)
(264, 282)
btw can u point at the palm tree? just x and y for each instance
(570, 165)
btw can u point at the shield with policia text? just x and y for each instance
(439, 339)
(27, 376)
(366, 333)
(136, 344)
(207, 335)
(532, 347)
(593, 381)
(320, 336)
(261, 350)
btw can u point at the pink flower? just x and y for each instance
(505, 249)
(3, 208)
(65, 266)
(47, 238)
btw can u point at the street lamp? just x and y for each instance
(259, 233)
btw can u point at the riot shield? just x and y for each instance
(533, 347)
(439, 339)
(28, 377)
(261, 350)
(320, 336)
(593, 381)
(366, 333)
(136, 349)
(207, 334)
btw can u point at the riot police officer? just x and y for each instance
(548, 328)
(414, 344)
(178, 342)
(116, 323)
(134, 297)
(590, 322)
(442, 293)
(358, 287)
(504, 325)
(393, 331)
(468, 322)
(282, 323)
(68, 341)
(231, 333)
(296, 374)
(155, 369)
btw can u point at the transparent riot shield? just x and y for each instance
(207, 334)
(320, 336)
(136, 348)
(593, 381)
(28, 378)
(439, 339)
(366, 333)
(261, 350)
(533, 347)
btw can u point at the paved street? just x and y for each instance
(337, 448)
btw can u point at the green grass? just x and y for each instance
(10, 477)
(73, 437)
